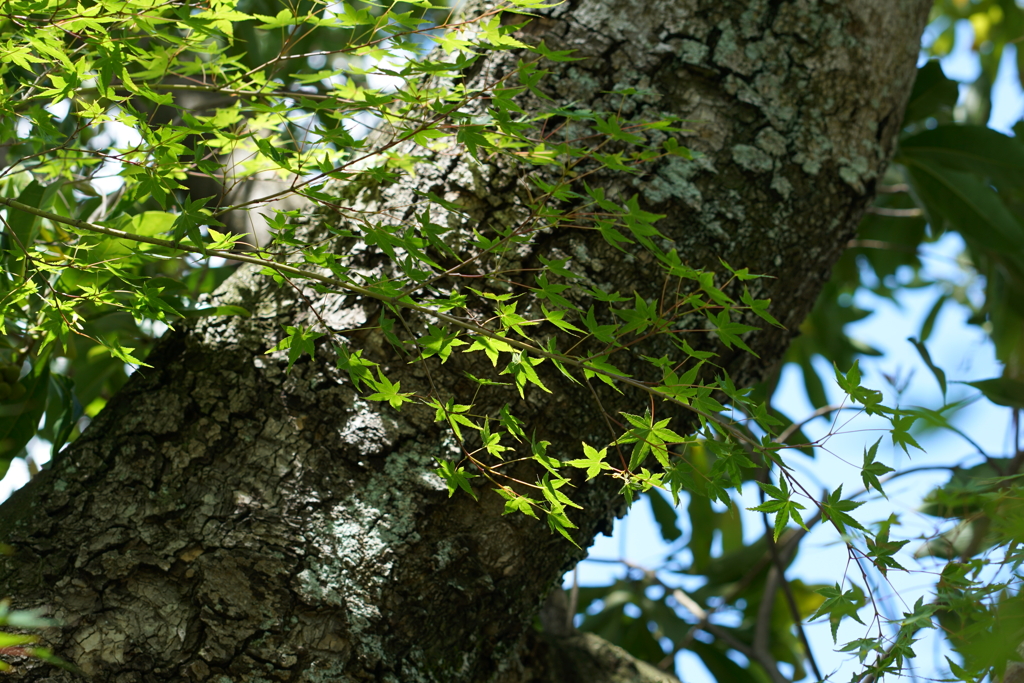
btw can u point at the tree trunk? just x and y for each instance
(225, 520)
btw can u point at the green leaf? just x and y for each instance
(492, 440)
(63, 410)
(25, 225)
(556, 318)
(554, 55)
(300, 340)
(521, 367)
(863, 647)
(539, 452)
(601, 332)
(551, 488)
(557, 266)
(357, 367)
(971, 206)
(967, 148)
(834, 509)
(455, 414)
(606, 372)
(517, 503)
(386, 391)
(780, 504)
(191, 218)
(439, 342)
(900, 432)
(511, 424)
(881, 550)
(728, 331)
(491, 346)
(552, 292)
(19, 421)
(869, 398)
(871, 470)
(839, 605)
(648, 436)
(665, 515)
(760, 308)
(122, 353)
(932, 93)
(593, 463)
(558, 521)
(1003, 391)
(641, 317)
(920, 618)
(455, 477)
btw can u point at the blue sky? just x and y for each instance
(965, 354)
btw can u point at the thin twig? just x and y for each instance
(881, 244)
(788, 431)
(895, 213)
(574, 597)
(787, 590)
(764, 659)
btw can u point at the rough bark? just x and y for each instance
(223, 520)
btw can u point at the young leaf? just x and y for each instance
(838, 605)
(835, 509)
(593, 463)
(871, 470)
(300, 340)
(439, 342)
(455, 477)
(386, 391)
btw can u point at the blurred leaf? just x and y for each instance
(721, 667)
(19, 420)
(665, 515)
(962, 495)
(24, 225)
(892, 241)
(971, 206)
(966, 148)
(1002, 391)
(730, 523)
(930, 420)
(63, 411)
(929, 322)
(214, 311)
(732, 566)
(932, 92)
(702, 530)
(992, 642)
(951, 544)
(614, 625)
(822, 334)
(638, 640)
(940, 376)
